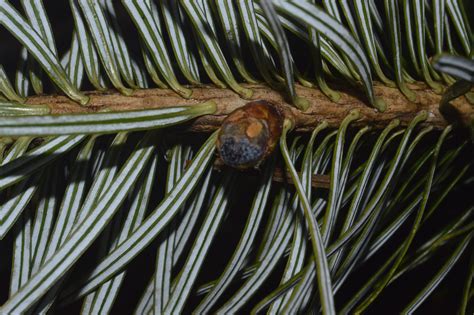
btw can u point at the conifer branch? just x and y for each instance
(321, 108)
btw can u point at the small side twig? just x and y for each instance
(281, 176)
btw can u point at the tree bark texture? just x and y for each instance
(321, 108)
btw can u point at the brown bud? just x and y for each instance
(249, 134)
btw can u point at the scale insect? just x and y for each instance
(249, 134)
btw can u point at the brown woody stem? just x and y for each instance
(321, 108)
(280, 175)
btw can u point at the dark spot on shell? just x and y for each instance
(236, 152)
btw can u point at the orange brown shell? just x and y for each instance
(249, 134)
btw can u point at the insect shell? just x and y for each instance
(249, 134)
